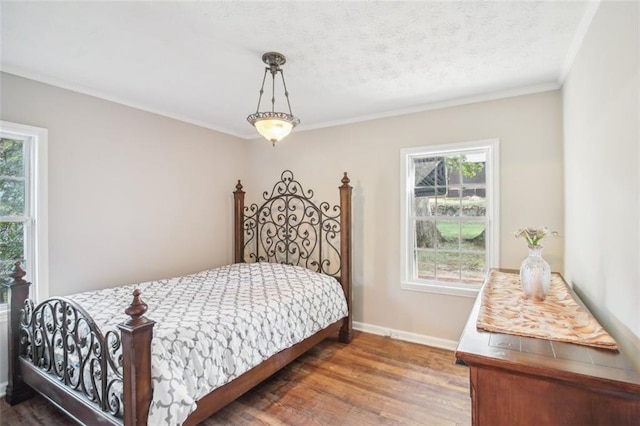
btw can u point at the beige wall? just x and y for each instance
(602, 134)
(133, 196)
(531, 192)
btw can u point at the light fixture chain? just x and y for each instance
(273, 90)
(264, 78)
(286, 92)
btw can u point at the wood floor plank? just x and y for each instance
(372, 381)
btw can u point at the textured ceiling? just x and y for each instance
(346, 61)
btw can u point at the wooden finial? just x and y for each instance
(345, 180)
(239, 186)
(137, 308)
(18, 273)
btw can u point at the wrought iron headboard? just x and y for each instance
(289, 227)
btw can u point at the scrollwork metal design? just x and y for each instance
(289, 227)
(60, 338)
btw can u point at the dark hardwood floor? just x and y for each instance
(372, 381)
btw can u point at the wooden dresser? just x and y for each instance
(527, 381)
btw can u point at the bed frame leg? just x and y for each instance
(17, 390)
(136, 336)
(346, 331)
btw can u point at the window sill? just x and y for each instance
(469, 290)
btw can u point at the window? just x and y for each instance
(449, 216)
(23, 208)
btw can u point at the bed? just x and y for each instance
(101, 365)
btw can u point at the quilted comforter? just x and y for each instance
(214, 325)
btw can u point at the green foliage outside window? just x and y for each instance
(468, 169)
(12, 204)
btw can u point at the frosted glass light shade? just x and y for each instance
(274, 126)
(274, 130)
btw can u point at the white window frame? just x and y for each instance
(408, 278)
(36, 199)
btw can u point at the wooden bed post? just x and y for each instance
(346, 331)
(136, 362)
(238, 221)
(17, 390)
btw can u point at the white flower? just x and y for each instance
(534, 235)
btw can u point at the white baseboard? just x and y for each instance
(436, 342)
(3, 389)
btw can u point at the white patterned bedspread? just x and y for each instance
(217, 324)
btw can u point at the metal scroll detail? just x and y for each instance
(288, 227)
(60, 338)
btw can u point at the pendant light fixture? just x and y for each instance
(273, 125)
